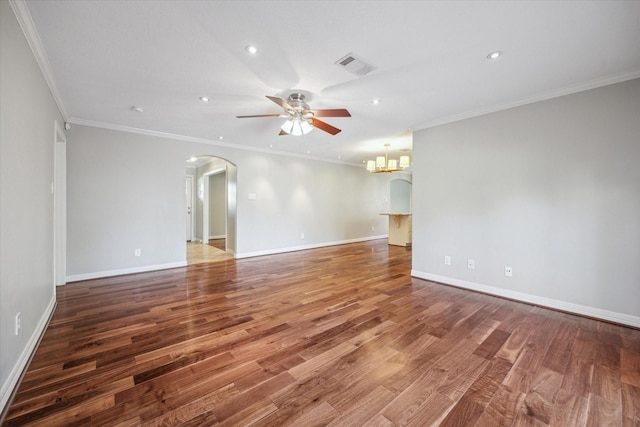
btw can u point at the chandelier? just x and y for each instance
(384, 164)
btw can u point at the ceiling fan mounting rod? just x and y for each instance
(296, 101)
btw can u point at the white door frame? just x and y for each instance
(201, 192)
(189, 182)
(59, 191)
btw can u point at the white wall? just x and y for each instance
(325, 201)
(551, 189)
(116, 187)
(27, 115)
(126, 191)
(400, 193)
(216, 181)
(217, 205)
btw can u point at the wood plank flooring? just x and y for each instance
(218, 243)
(338, 336)
(198, 253)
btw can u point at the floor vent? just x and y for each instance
(354, 65)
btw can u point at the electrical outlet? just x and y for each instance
(373, 228)
(447, 260)
(137, 252)
(508, 271)
(302, 235)
(471, 264)
(18, 324)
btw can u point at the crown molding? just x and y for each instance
(157, 134)
(563, 91)
(21, 10)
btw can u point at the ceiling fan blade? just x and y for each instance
(281, 102)
(324, 126)
(259, 115)
(282, 133)
(333, 112)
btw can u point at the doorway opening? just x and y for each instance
(400, 196)
(210, 190)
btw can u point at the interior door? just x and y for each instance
(189, 206)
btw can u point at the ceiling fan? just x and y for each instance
(300, 118)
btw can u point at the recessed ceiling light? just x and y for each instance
(137, 109)
(251, 49)
(204, 99)
(494, 55)
(376, 101)
(220, 137)
(339, 157)
(192, 159)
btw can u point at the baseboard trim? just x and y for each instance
(583, 310)
(110, 273)
(15, 376)
(305, 247)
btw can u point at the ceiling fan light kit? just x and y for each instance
(301, 119)
(296, 127)
(382, 164)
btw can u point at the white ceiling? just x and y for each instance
(429, 58)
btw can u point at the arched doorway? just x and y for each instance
(210, 190)
(400, 196)
(400, 232)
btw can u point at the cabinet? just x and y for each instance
(399, 229)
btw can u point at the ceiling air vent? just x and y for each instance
(354, 65)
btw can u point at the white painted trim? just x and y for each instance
(216, 171)
(110, 126)
(311, 246)
(21, 10)
(567, 90)
(192, 222)
(110, 273)
(22, 362)
(205, 207)
(221, 236)
(598, 313)
(59, 205)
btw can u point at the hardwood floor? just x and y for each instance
(218, 243)
(198, 253)
(334, 336)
